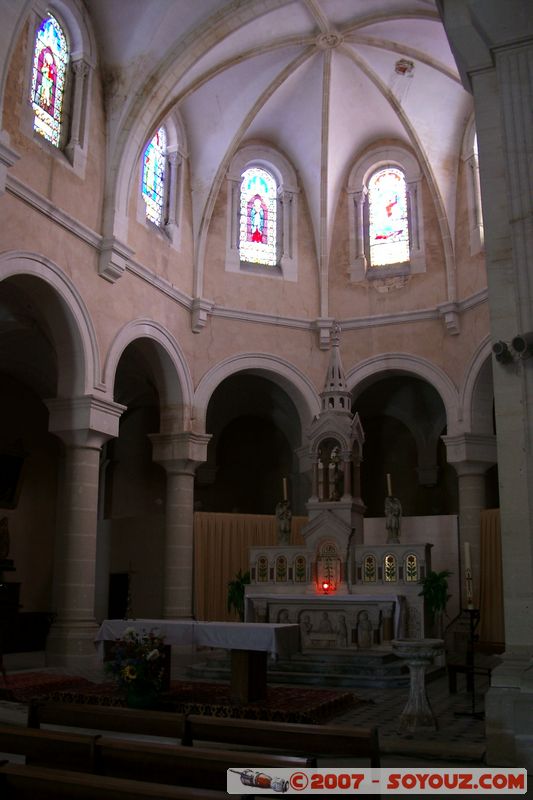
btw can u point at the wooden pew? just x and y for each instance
(196, 766)
(106, 718)
(138, 760)
(23, 782)
(50, 748)
(308, 740)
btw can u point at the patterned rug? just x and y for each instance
(283, 703)
(20, 687)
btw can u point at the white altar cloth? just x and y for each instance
(275, 638)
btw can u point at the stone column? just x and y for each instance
(83, 424)
(180, 454)
(471, 455)
(493, 47)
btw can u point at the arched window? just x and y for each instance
(154, 177)
(388, 225)
(258, 217)
(473, 190)
(50, 60)
(262, 229)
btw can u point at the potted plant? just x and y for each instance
(236, 593)
(435, 594)
(137, 666)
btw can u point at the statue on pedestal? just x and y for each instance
(393, 514)
(284, 518)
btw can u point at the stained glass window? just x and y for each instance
(369, 569)
(411, 568)
(388, 223)
(257, 240)
(154, 174)
(50, 59)
(390, 567)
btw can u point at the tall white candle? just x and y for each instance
(389, 485)
(468, 557)
(468, 577)
(285, 496)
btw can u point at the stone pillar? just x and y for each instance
(471, 455)
(493, 47)
(180, 454)
(83, 424)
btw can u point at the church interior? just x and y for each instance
(267, 252)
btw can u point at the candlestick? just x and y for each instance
(285, 496)
(389, 485)
(468, 577)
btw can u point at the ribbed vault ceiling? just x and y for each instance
(318, 79)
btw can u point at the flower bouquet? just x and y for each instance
(137, 666)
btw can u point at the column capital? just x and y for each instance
(180, 452)
(474, 452)
(85, 421)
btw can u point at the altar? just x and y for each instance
(250, 644)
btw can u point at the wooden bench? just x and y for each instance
(307, 740)
(171, 764)
(138, 760)
(50, 748)
(23, 782)
(106, 718)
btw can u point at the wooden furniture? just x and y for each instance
(26, 782)
(308, 740)
(138, 760)
(249, 643)
(106, 718)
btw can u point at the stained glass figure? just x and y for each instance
(154, 174)
(257, 241)
(50, 59)
(388, 223)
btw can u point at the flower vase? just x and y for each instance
(142, 697)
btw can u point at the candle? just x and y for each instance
(389, 485)
(285, 496)
(468, 558)
(468, 577)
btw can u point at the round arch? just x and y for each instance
(72, 331)
(297, 386)
(374, 368)
(477, 393)
(171, 370)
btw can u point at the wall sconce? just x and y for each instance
(502, 352)
(522, 344)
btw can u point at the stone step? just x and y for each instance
(380, 670)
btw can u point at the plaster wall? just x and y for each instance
(42, 166)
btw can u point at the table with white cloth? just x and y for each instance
(250, 644)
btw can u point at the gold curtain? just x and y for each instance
(491, 623)
(221, 543)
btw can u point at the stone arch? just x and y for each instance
(373, 369)
(70, 323)
(477, 393)
(282, 372)
(171, 370)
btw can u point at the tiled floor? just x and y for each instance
(456, 737)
